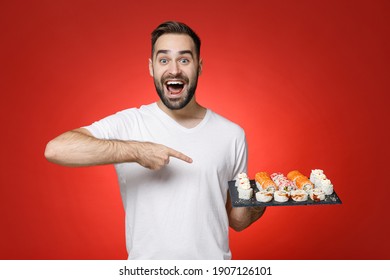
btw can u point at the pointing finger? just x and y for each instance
(181, 156)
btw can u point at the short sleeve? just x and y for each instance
(118, 126)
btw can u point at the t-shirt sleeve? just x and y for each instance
(118, 126)
(241, 161)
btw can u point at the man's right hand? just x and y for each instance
(156, 156)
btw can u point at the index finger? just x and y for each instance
(181, 156)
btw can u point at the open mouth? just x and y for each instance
(175, 87)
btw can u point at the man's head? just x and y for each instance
(175, 63)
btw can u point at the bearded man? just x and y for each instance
(173, 159)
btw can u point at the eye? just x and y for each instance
(184, 61)
(163, 61)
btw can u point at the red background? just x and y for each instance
(306, 79)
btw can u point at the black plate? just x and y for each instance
(237, 202)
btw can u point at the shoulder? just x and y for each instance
(135, 112)
(120, 125)
(123, 118)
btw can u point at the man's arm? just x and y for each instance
(80, 148)
(242, 217)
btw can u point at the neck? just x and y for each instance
(189, 116)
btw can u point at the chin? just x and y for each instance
(180, 102)
(175, 105)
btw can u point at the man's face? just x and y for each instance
(175, 68)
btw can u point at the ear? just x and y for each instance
(150, 67)
(200, 67)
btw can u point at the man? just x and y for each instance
(173, 159)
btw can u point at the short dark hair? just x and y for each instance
(174, 27)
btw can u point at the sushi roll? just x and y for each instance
(287, 186)
(244, 183)
(316, 175)
(282, 182)
(277, 177)
(299, 195)
(264, 196)
(320, 181)
(264, 182)
(245, 193)
(240, 176)
(263, 174)
(326, 186)
(293, 175)
(317, 194)
(267, 185)
(303, 183)
(244, 189)
(261, 177)
(281, 196)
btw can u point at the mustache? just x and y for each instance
(179, 76)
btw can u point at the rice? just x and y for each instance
(299, 195)
(264, 196)
(245, 193)
(317, 194)
(281, 196)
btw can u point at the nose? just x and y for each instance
(174, 68)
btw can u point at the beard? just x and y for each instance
(187, 95)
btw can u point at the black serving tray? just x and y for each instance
(237, 202)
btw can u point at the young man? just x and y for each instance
(173, 159)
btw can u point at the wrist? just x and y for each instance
(134, 151)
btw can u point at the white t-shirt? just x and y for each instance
(177, 212)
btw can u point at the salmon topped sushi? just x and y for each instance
(264, 182)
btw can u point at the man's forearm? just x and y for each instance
(76, 148)
(242, 217)
(79, 148)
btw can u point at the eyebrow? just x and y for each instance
(180, 52)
